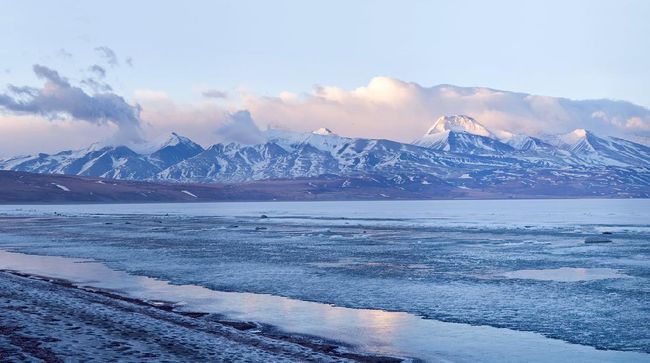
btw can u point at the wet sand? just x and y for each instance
(54, 321)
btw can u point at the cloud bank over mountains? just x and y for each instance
(61, 115)
(390, 108)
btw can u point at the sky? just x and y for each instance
(342, 64)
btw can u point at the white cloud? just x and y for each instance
(637, 123)
(384, 108)
(240, 127)
(27, 134)
(394, 109)
(202, 121)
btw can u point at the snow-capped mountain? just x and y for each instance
(462, 134)
(117, 162)
(456, 152)
(527, 143)
(324, 131)
(174, 150)
(592, 149)
(459, 123)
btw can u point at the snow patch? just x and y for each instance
(189, 193)
(62, 187)
(323, 131)
(459, 123)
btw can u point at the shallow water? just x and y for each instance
(521, 265)
(367, 330)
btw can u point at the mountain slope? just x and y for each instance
(462, 134)
(457, 153)
(176, 149)
(592, 149)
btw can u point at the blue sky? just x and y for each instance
(576, 49)
(361, 68)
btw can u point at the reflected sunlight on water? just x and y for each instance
(376, 331)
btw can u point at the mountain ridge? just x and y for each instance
(456, 150)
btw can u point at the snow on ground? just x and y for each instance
(62, 187)
(189, 193)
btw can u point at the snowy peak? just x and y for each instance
(462, 135)
(528, 143)
(323, 131)
(574, 137)
(170, 140)
(175, 139)
(577, 141)
(175, 149)
(596, 150)
(580, 132)
(459, 123)
(322, 139)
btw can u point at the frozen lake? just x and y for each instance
(437, 280)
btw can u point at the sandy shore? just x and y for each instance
(54, 321)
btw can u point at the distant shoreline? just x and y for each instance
(22, 188)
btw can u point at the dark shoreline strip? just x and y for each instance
(199, 321)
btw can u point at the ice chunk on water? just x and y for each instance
(566, 274)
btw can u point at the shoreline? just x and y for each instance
(219, 315)
(324, 200)
(32, 188)
(248, 335)
(102, 254)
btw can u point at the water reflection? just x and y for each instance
(375, 331)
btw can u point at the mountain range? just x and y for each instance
(456, 153)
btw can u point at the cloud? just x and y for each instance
(50, 75)
(129, 61)
(241, 128)
(394, 109)
(108, 54)
(28, 133)
(637, 123)
(95, 82)
(198, 121)
(204, 122)
(96, 85)
(60, 115)
(213, 93)
(63, 54)
(98, 70)
(58, 99)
